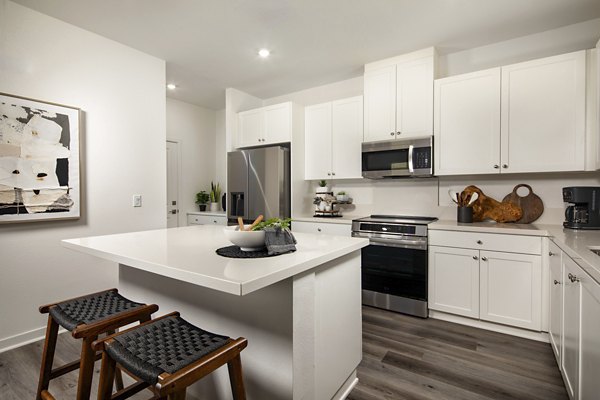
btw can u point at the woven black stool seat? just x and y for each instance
(166, 345)
(89, 309)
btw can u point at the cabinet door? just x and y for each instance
(317, 141)
(277, 123)
(556, 300)
(414, 98)
(590, 338)
(454, 280)
(250, 128)
(571, 327)
(339, 229)
(347, 138)
(467, 124)
(380, 104)
(543, 115)
(511, 289)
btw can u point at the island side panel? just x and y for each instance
(328, 328)
(263, 317)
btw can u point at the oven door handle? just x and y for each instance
(416, 243)
(411, 149)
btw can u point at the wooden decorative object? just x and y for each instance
(532, 205)
(487, 208)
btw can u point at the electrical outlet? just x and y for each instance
(137, 200)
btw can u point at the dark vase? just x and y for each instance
(202, 207)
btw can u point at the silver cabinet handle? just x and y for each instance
(483, 258)
(504, 165)
(550, 253)
(392, 134)
(318, 229)
(479, 242)
(556, 282)
(398, 133)
(333, 173)
(496, 166)
(329, 174)
(214, 221)
(475, 258)
(573, 278)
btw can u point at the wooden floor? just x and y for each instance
(404, 358)
(412, 358)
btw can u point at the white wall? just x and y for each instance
(429, 196)
(194, 128)
(121, 92)
(221, 150)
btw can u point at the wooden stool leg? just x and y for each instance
(118, 373)
(177, 395)
(86, 368)
(107, 375)
(47, 356)
(235, 377)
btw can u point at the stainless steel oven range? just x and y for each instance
(394, 265)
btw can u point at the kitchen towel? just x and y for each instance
(279, 241)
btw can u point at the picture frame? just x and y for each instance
(39, 160)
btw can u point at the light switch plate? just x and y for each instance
(137, 200)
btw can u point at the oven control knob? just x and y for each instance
(479, 242)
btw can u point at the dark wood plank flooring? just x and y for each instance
(403, 358)
(414, 359)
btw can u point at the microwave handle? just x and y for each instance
(411, 148)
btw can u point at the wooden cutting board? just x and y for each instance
(532, 205)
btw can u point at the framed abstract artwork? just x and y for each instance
(39, 160)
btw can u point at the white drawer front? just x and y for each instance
(322, 228)
(207, 220)
(487, 241)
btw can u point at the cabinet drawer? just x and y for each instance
(322, 228)
(487, 241)
(207, 220)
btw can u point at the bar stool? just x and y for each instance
(167, 355)
(86, 317)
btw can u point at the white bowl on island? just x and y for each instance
(246, 240)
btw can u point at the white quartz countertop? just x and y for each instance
(210, 213)
(491, 227)
(344, 220)
(188, 254)
(576, 244)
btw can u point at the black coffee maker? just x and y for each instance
(584, 211)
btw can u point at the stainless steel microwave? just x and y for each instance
(398, 158)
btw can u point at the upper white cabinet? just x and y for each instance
(467, 123)
(399, 96)
(265, 125)
(526, 117)
(333, 137)
(543, 114)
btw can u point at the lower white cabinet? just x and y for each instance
(555, 327)
(511, 289)
(454, 280)
(571, 324)
(322, 228)
(590, 338)
(195, 219)
(467, 279)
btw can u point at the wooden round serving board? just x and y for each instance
(532, 205)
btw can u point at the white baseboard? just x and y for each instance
(21, 339)
(490, 326)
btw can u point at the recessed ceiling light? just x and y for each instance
(264, 53)
(171, 86)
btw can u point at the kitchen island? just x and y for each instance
(301, 312)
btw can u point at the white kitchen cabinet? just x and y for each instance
(467, 124)
(590, 338)
(265, 125)
(454, 280)
(322, 228)
(525, 117)
(571, 327)
(333, 137)
(196, 219)
(511, 289)
(399, 97)
(543, 114)
(556, 300)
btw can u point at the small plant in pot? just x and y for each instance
(201, 199)
(342, 196)
(322, 187)
(215, 196)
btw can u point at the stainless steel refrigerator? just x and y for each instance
(258, 182)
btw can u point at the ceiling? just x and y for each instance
(210, 45)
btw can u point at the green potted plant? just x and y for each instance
(342, 196)
(201, 199)
(322, 187)
(215, 196)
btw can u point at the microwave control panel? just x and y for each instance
(422, 158)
